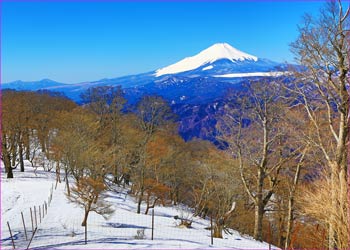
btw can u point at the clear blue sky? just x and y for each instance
(84, 41)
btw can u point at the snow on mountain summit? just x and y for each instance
(213, 53)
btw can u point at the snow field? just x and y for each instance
(61, 227)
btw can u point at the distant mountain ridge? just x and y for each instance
(195, 87)
(32, 85)
(220, 60)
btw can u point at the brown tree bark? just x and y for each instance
(67, 181)
(20, 153)
(258, 226)
(86, 214)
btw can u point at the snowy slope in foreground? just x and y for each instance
(60, 228)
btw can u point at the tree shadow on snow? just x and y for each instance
(112, 241)
(121, 225)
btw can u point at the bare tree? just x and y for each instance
(89, 193)
(323, 85)
(154, 114)
(75, 143)
(252, 129)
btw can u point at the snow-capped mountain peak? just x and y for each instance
(213, 53)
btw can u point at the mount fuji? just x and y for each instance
(220, 60)
(196, 87)
(205, 76)
(219, 64)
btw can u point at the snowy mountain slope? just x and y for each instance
(225, 66)
(235, 75)
(60, 228)
(213, 53)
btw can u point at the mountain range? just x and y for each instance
(195, 86)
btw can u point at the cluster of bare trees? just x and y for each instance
(101, 144)
(27, 123)
(289, 138)
(264, 135)
(323, 48)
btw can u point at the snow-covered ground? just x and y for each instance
(61, 226)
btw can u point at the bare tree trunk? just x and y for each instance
(348, 184)
(281, 227)
(345, 220)
(151, 206)
(140, 198)
(117, 179)
(218, 230)
(343, 195)
(27, 153)
(148, 203)
(10, 173)
(259, 213)
(13, 153)
(343, 238)
(221, 221)
(290, 215)
(27, 144)
(290, 220)
(5, 154)
(42, 143)
(84, 223)
(7, 161)
(58, 172)
(176, 196)
(67, 181)
(331, 230)
(199, 207)
(6, 157)
(20, 152)
(142, 190)
(259, 207)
